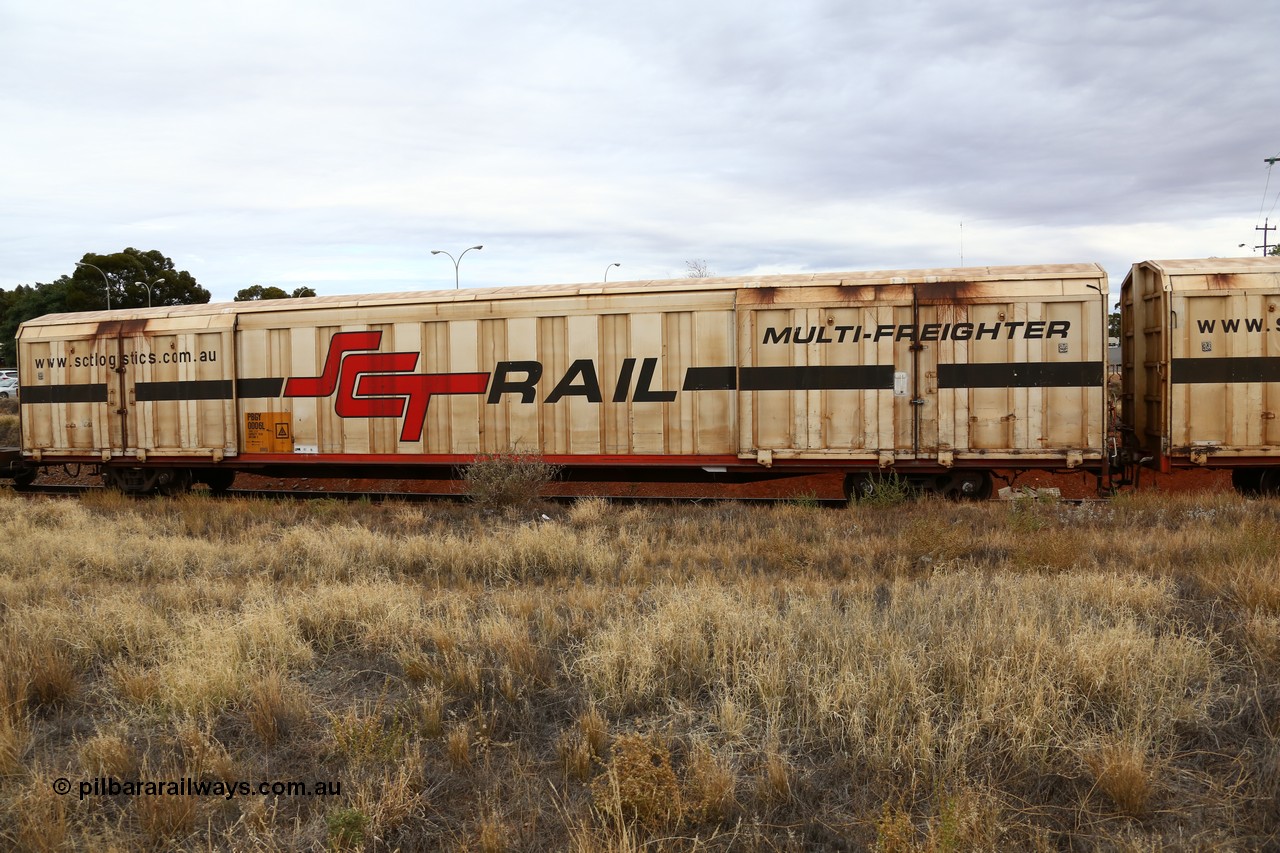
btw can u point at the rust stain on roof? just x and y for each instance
(952, 291)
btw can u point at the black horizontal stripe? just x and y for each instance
(90, 392)
(711, 378)
(207, 389)
(154, 392)
(259, 387)
(200, 389)
(1218, 371)
(1058, 374)
(817, 378)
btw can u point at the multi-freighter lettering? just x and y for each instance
(1006, 330)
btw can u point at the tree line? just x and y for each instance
(131, 278)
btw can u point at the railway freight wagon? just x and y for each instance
(1201, 367)
(939, 375)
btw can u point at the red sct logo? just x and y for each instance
(381, 384)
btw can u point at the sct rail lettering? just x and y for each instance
(1006, 330)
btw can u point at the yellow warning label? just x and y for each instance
(268, 432)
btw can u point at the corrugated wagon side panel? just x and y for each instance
(816, 380)
(553, 354)
(1201, 352)
(64, 367)
(307, 355)
(136, 388)
(438, 427)
(585, 423)
(1225, 371)
(580, 377)
(714, 414)
(182, 391)
(464, 409)
(1021, 377)
(493, 345)
(679, 350)
(768, 416)
(1152, 364)
(648, 417)
(848, 415)
(523, 420)
(1069, 416)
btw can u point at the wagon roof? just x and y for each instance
(1211, 267)
(1057, 272)
(1203, 266)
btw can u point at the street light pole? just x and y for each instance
(606, 270)
(456, 261)
(148, 287)
(105, 280)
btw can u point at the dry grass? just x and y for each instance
(10, 432)
(927, 676)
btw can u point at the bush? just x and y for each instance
(880, 490)
(508, 480)
(639, 785)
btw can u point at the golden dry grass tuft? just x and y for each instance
(10, 431)
(638, 784)
(907, 676)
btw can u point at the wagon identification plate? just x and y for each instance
(268, 432)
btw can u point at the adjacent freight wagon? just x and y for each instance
(943, 376)
(1201, 367)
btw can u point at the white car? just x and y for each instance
(9, 386)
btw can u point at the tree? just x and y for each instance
(257, 291)
(132, 277)
(135, 279)
(696, 269)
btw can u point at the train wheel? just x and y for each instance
(975, 486)
(175, 481)
(967, 485)
(23, 478)
(218, 480)
(857, 487)
(1268, 481)
(113, 478)
(1246, 481)
(148, 481)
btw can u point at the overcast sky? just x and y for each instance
(335, 144)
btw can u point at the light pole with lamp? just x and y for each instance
(456, 261)
(148, 287)
(105, 280)
(606, 270)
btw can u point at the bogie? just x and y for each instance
(148, 481)
(876, 486)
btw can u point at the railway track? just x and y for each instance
(69, 490)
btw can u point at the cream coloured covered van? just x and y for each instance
(943, 374)
(1201, 364)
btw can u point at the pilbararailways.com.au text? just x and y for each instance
(109, 786)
